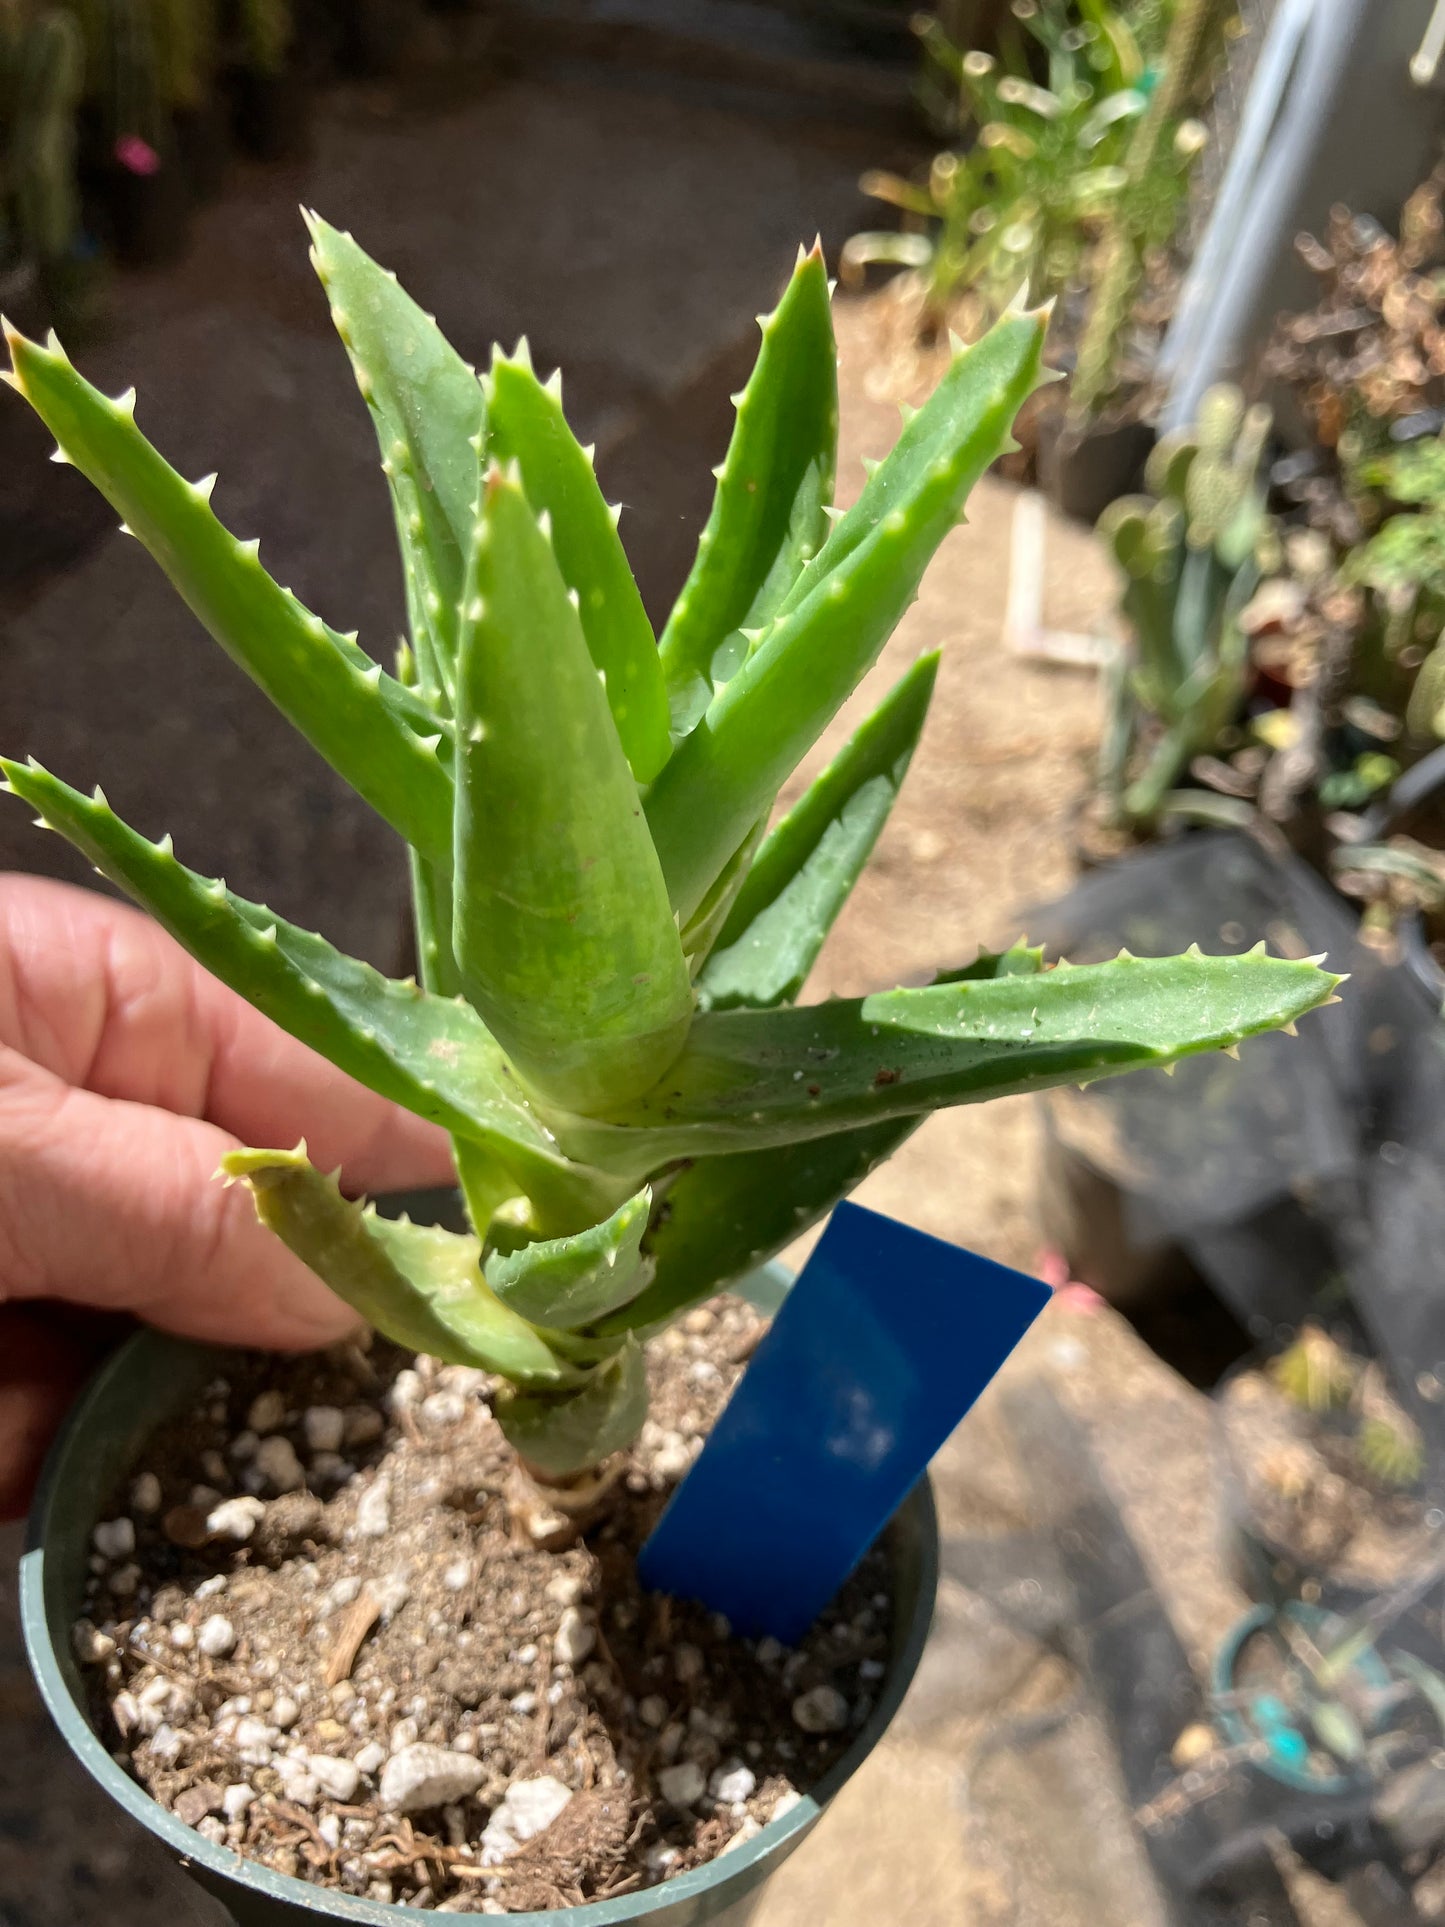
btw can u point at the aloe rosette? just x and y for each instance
(611, 936)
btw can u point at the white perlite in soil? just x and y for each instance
(333, 1627)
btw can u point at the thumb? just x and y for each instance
(116, 1206)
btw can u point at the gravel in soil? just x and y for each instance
(332, 1625)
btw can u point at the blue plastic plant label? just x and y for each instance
(884, 1342)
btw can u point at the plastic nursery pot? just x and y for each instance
(151, 1377)
(1260, 1719)
(1275, 1572)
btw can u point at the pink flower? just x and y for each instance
(1053, 1269)
(137, 155)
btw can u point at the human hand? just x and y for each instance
(125, 1072)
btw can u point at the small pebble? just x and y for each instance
(823, 1710)
(523, 1703)
(687, 1662)
(235, 1519)
(114, 1538)
(243, 1446)
(338, 1595)
(652, 1710)
(214, 1467)
(700, 1320)
(785, 1803)
(566, 1589)
(324, 1427)
(371, 1756)
(92, 1647)
(575, 1639)
(442, 1409)
(267, 1410)
(732, 1782)
(236, 1799)
(406, 1390)
(166, 1745)
(373, 1510)
(528, 1808)
(338, 1779)
(145, 1494)
(213, 1830)
(769, 1650)
(682, 1785)
(748, 1829)
(659, 1858)
(278, 1465)
(672, 1459)
(364, 1425)
(124, 1580)
(391, 1594)
(216, 1637)
(458, 1575)
(329, 1468)
(183, 1637)
(403, 1735)
(298, 1783)
(421, 1777)
(284, 1711)
(329, 1827)
(525, 1656)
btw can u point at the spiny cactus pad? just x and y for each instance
(611, 938)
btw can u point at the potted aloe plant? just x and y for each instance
(367, 1629)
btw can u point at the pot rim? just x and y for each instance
(58, 1679)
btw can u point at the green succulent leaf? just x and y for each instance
(753, 1078)
(830, 626)
(773, 487)
(567, 1283)
(420, 1285)
(801, 877)
(561, 1435)
(427, 407)
(527, 426)
(563, 932)
(379, 736)
(722, 1216)
(430, 1054)
(719, 1217)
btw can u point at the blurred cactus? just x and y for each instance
(1193, 551)
(266, 33)
(1144, 214)
(40, 79)
(1019, 205)
(187, 34)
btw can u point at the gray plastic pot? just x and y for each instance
(150, 1378)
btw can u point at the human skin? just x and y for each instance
(125, 1073)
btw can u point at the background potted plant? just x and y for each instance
(611, 944)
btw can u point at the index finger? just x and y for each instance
(97, 994)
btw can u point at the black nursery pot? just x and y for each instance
(271, 113)
(151, 1378)
(1082, 472)
(149, 214)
